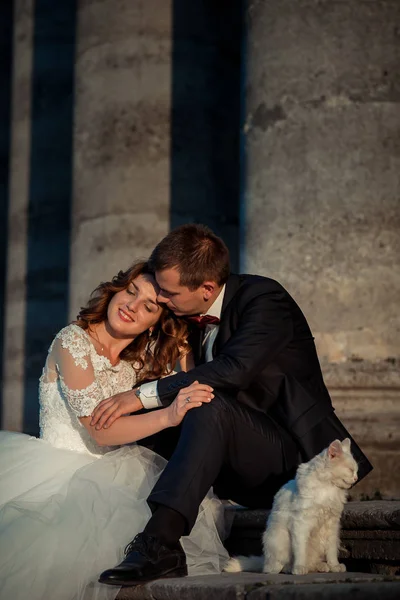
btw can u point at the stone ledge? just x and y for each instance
(370, 515)
(374, 514)
(254, 586)
(370, 536)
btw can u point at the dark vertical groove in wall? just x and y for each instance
(50, 189)
(242, 145)
(6, 51)
(206, 116)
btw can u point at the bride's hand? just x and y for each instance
(110, 409)
(190, 397)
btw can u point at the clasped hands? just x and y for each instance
(125, 403)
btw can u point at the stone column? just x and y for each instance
(121, 139)
(322, 196)
(15, 289)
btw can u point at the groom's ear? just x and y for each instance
(209, 288)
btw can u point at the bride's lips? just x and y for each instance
(124, 316)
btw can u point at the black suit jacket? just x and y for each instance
(265, 357)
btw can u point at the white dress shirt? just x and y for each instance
(148, 391)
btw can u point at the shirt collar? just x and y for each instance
(216, 307)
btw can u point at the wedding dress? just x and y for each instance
(68, 507)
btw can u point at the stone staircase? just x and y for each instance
(370, 535)
(370, 541)
(252, 586)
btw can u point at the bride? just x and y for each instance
(73, 499)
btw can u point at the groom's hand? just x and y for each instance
(110, 409)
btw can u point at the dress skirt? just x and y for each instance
(67, 516)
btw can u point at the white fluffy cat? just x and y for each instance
(302, 533)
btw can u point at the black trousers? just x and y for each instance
(242, 453)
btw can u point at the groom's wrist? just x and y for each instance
(148, 395)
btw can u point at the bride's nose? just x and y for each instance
(355, 478)
(132, 305)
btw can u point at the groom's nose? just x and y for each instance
(162, 298)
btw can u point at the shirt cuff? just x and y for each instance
(149, 396)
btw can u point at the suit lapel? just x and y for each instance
(195, 341)
(196, 335)
(232, 286)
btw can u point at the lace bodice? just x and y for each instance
(74, 380)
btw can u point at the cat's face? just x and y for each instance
(342, 466)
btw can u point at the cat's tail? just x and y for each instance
(245, 563)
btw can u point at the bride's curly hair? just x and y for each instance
(152, 354)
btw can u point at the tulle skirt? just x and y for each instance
(66, 516)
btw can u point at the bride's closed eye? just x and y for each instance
(133, 292)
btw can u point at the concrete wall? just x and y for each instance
(15, 258)
(322, 195)
(126, 121)
(157, 128)
(121, 138)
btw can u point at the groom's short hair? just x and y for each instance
(196, 252)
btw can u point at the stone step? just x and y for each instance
(253, 586)
(370, 536)
(370, 541)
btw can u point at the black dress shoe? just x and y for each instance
(146, 559)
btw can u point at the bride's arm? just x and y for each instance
(132, 428)
(129, 429)
(111, 409)
(82, 393)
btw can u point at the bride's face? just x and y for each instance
(134, 309)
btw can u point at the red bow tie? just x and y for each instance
(202, 322)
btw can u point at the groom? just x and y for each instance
(271, 409)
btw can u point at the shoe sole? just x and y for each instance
(181, 572)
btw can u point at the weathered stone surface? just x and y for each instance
(367, 534)
(370, 532)
(254, 586)
(323, 166)
(121, 138)
(371, 515)
(321, 196)
(372, 416)
(353, 591)
(380, 514)
(14, 310)
(374, 549)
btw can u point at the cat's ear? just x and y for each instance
(346, 444)
(335, 449)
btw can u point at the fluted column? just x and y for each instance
(15, 289)
(322, 195)
(121, 138)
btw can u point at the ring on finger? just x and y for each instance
(187, 399)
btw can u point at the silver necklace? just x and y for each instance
(98, 340)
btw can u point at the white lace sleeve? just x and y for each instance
(71, 351)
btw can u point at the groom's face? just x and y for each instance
(179, 298)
